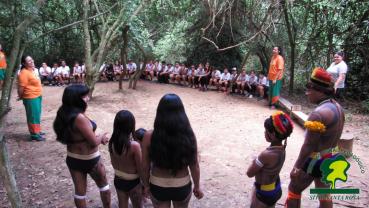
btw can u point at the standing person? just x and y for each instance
(126, 158)
(167, 152)
(338, 70)
(267, 166)
(275, 75)
(30, 91)
(2, 67)
(74, 129)
(323, 131)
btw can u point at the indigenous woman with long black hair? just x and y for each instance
(169, 153)
(126, 159)
(77, 131)
(275, 75)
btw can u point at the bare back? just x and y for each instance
(275, 156)
(125, 162)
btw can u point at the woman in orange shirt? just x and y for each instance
(30, 91)
(2, 67)
(275, 75)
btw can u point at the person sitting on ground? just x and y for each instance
(262, 87)
(268, 164)
(223, 83)
(183, 74)
(199, 71)
(57, 74)
(131, 68)
(149, 70)
(102, 70)
(65, 71)
(204, 78)
(45, 74)
(161, 74)
(323, 131)
(241, 81)
(166, 73)
(126, 158)
(174, 75)
(118, 70)
(74, 129)
(232, 82)
(157, 68)
(191, 75)
(169, 152)
(215, 76)
(77, 72)
(252, 84)
(109, 72)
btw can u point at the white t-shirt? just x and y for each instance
(216, 74)
(253, 79)
(77, 69)
(242, 78)
(225, 76)
(263, 81)
(335, 70)
(200, 71)
(176, 70)
(131, 67)
(149, 67)
(45, 71)
(64, 70)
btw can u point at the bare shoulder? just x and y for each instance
(265, 156)
(135, 146)
(147, 136)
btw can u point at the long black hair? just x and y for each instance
(124, 127)
(173, 142)
(72, 105)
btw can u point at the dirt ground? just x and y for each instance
(229, 131)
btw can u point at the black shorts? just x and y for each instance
(84, 166)
(171, 193)
(125, 185)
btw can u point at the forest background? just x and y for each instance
(231, 33)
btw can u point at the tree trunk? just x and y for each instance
(137, 75)
(123, 57)
(244, 60)
(7, 174)
(292, 42)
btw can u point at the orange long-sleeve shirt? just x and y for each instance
(276, 68)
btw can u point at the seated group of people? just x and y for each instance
(202, 77)
(61, 74)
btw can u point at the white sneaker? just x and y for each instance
(250, 96)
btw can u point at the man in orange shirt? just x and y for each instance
(2, 67)
(275, 75)
(30, 91)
